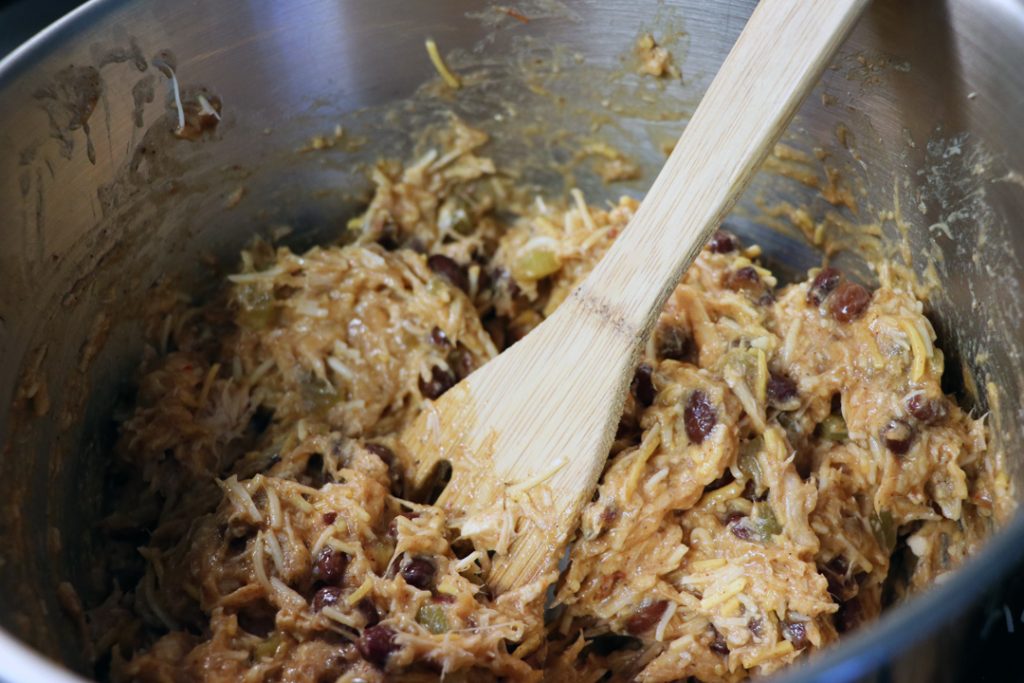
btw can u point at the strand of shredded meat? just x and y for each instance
(786, 464)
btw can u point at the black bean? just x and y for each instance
(849, 302)
(502, 281)
(739, 527)
(497, 327)
(387, 456)
(461, 361)
(330, 565)
(483, 278)
(325, 597)
(522, 325)
(795, 632)
(733, 517)
(822, 285)
(841, 586)
(721, 481)
(440, 381)
(781, 389)
(257, 618)
(673, 343)
(699, 416)
(449, 269)
(261, 419)
(926, 410)
(718, 644)
(236, 544)
(646, 615)
(746, 278)
(898, 436)
(642, 387)
(369, 611)
(609, 514)
(607, 643)
(376, 645)
(723, 242)
(314, 469)
(389, 235)
(849, 616)
(419, 573)
(627, 427)
(439, 338)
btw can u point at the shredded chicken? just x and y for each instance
(785, 463)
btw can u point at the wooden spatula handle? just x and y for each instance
(781, 52)
(531, 430)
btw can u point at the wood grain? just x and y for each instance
(528, 434)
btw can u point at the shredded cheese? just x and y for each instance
(792, 335)
(286, 596)
(274, 503)
(208, 384)
(642, 454)
(538, 478)
(738, 383)
(659, 632)
(733, 589)
(658, 477)
(773, 443)
(783, 647)
(581, 206)
(206, 108)
(257, 563)
(731, 608)
(322, 539)
(361, 592)
(762, 375)
(347, 548)
(917, 348)
(240, 497)
(722, 494)
(300, 502)
(169, 72)
(154, 604)
(435, 57)
(260, 276)
(707, 565)
(276, 553)
(468, 561)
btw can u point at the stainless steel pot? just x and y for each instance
(921, 115)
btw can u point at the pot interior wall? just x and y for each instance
(918, 119)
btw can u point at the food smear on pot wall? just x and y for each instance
(780, 450)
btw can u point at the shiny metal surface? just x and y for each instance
(922, 111)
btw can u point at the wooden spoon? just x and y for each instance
(528, 434)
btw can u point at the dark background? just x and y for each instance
(989, 652)
(20, 19)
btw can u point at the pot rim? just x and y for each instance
(852, 657)
(38, 46)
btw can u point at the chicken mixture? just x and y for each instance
(786, 465)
